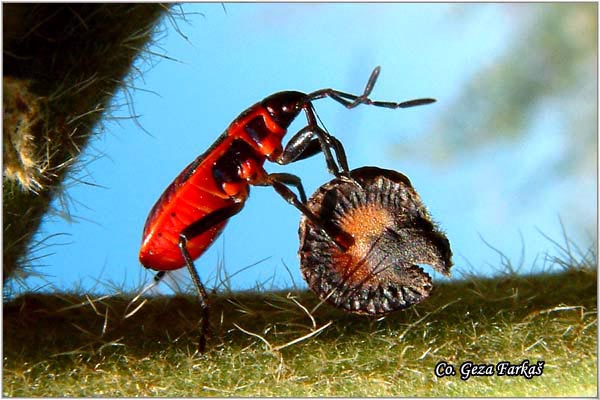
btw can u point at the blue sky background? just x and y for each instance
(233, 59)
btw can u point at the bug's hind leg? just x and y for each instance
(190, 232)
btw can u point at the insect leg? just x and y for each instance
(279, 182)
(190, 232)
(311, 140)
(287, 179)
(159, 276)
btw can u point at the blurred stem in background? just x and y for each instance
(62, 65)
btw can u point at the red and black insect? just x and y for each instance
(195, 207)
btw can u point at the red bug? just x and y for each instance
(195, 207)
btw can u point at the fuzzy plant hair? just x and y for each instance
(62, 65)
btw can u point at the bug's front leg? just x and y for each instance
(312, 140)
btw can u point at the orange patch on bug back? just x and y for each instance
(365, 224)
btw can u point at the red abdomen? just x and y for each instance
(215, 180)
(190, 197)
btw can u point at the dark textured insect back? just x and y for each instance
(392, 233)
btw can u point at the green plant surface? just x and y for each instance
(277, 344)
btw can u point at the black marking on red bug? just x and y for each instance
(392, 233)
(257, 130)
(227, 167)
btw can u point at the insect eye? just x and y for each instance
(284, 107)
